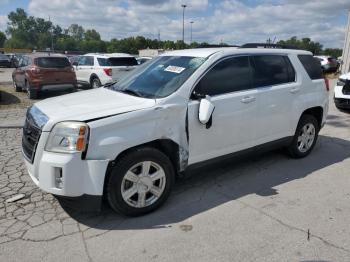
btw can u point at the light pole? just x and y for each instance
(183, 22)
(191, 31)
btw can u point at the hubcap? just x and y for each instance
(95, 84)
(306, 137)
(143, 184)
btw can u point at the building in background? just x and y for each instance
(346, 50)
(150, 52)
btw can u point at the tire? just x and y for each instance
(32, 93)
(119, 186)
(17, 88)
(306, 134)
(95, 82)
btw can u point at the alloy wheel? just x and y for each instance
(143, 184)
(306, 137)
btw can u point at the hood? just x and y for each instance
(345, 76)
(91, 104)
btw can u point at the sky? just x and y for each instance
(229, 21)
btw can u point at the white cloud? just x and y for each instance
(232, 21)
(3, 22)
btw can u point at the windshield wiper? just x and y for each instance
(130, 92)
(110, 84)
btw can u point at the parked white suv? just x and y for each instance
(342, 92)
(180, 109)
(95, 70)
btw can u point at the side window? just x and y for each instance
(86, 61)
(89, 60)
(271, 70)
(312, 66)
(290, 69)
(82, 61)
(229, 75)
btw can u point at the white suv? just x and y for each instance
(95, 70)
(342, 92)
(180, 109)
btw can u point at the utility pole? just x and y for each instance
(191, 31)
(183, 22)
(51, 34)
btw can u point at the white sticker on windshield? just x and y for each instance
(174, 69)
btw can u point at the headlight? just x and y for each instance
(68, 137)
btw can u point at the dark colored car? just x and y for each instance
(5, 61)
(13, 59)
(41, 72)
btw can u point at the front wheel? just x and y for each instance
(305, 137)
(140, 182)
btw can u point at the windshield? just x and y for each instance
(159, 77)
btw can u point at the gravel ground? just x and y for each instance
(262, 208)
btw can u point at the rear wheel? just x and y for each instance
(305, 137)
(140, 182)
(32, 93)
(95, 83)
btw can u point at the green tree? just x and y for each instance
(334, 52)
(76, 31)
(2, 39)
(92, 34)
(304, 43)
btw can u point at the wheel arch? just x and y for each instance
(167, 146)
(93, 76)
(317, 112)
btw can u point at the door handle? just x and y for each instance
(295, 90)
(248, 99)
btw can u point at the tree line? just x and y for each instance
(31, 32)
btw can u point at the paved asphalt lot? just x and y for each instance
(261, 208)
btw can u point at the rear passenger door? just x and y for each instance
(275, 79)
(229, 85)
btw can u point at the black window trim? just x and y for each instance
(213, 65)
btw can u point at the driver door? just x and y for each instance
(233, 123)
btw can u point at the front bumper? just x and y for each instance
(342, 103)
(66, 174)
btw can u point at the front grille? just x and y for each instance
(30, 139)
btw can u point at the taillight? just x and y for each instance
(326, 81)
(108, 71)
(35, 70)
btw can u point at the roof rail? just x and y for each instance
(267, 45)
(215, 46)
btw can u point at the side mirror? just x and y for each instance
(206, 109)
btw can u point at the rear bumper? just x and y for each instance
(46, 86)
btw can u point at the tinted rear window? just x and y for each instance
(117, 61)
(3, 57)
(271, 70)
(312, 66)
(53, 62)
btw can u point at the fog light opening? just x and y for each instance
(58, 178)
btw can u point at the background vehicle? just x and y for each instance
(42, 72)
(95, 70)
(329, 64)
(13, 58)
(183, 109)
(342, 92)
(74, 59)
(5, 61)
(143, 59)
